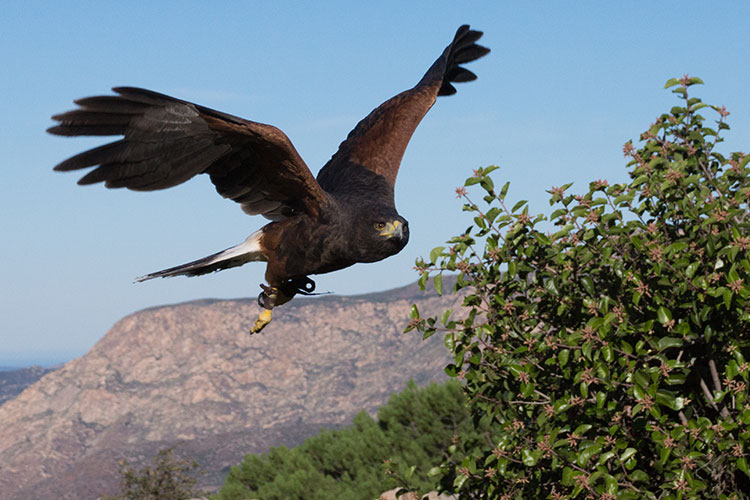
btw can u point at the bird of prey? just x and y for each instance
(318, 224)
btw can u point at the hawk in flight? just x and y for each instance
(318, 224)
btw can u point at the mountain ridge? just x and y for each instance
(189, 373)
(14, 380)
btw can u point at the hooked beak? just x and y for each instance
(393, 230)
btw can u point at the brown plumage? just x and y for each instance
(346, 215)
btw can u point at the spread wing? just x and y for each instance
(378, 142)
(168, 141)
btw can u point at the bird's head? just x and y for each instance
(385, 234)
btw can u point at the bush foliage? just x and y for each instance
(167, 478)
(605, 345)
(413, 433)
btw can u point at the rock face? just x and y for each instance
(13, 382)
(191, 374)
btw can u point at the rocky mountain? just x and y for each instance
(190, 373)
(14, 381)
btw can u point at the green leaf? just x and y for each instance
(611, 485)
(677, 247)
(423, 280)
(623, 198)
(625, 346)
(409, 472)
(414, 312)
(606, 456)
(587, 452)
(557, 214)
(518, 205)
(435, 253)
(690, 270)
(742, 465)
(640, 379)
(586, 350)
(567, 476)
(582, 429)
(528, 458)
(563, 356)
(601, 398)
(437, 282)
(639, 180)
(639, 476)
(527, 389)
(459, 481)
(542, 238)
(664, 315)
(504, 190)
(672, 82)
(446, 316)
(637, 242)
(588, 284)
(450, 342)
(668, 399)
(667, 342)
(664, 454)
(629, 452)
(512, 268)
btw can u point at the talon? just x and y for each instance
(263, 319)
(267, 298)
(280, 296)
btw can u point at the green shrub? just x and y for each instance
(605, 345)
(167, 478)
(414, 432)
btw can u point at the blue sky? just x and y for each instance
(566, 85)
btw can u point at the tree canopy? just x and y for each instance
(605, 345)
(412, 434)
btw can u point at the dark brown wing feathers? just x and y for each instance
(378, 142)
(168, 141)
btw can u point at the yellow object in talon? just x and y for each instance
(263, 319)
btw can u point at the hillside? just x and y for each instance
(190, 373)
(14, 381)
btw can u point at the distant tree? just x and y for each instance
(167, 478)
(607, 356)
(415, 431)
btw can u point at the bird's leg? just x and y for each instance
(269, 298)
(272, 296)
(261, 321)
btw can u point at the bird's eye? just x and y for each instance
(380, 226)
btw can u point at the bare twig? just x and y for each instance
(683, 419)
(717, 384)
(707, 393)
(714, 375)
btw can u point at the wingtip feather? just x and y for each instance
(462, 50)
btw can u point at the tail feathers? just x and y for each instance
(462, 50)
(248, 251)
